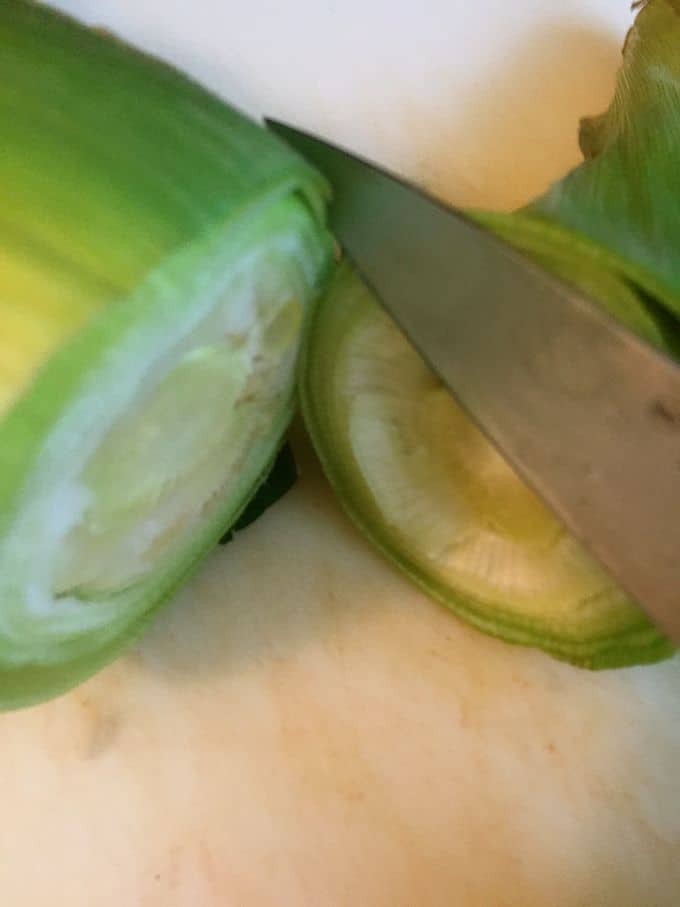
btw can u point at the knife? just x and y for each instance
(585, 411)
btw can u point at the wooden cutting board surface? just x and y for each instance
(301, 727)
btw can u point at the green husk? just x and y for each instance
(625, 197)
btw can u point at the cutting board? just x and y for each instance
(300, 727)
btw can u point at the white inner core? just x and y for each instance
(450, 500)
(161, 436)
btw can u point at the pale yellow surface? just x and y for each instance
(301, 728)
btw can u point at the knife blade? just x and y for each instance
(585, 411)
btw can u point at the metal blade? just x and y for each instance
(586, 412)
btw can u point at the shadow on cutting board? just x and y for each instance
(503, 143)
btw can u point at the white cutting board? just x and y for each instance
(301, 728)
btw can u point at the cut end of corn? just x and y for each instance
(159, 254)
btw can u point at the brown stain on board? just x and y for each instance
(668, 411)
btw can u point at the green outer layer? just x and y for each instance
(129, 177)
(626, 195)
(112, 162)
(343, 303)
